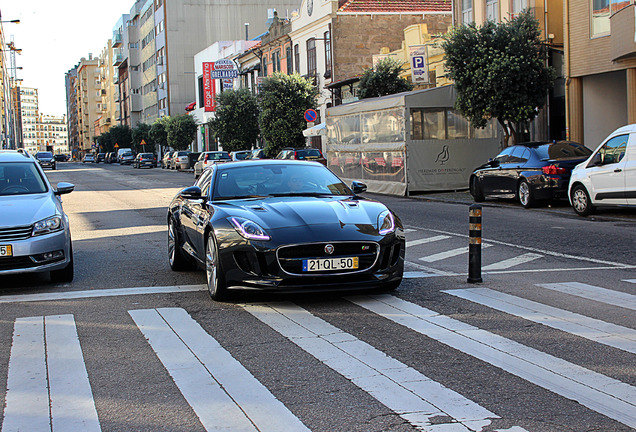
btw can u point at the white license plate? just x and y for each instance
(325, 264)
(6, 251)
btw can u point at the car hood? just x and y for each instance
(289, 212)
(20, 210)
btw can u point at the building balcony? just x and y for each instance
(118, 56)
(623, 45)
(117, 39)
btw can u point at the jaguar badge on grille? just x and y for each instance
(329, 249)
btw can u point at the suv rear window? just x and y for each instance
(307, 153)
(182, 153)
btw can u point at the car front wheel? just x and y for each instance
(581, 201)
(475, 190)
(216, 284)
(526, 197)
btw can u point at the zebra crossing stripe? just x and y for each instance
(591, 292)
(599, 331)
(605, 395)
(413, 396)
(630, 280)
(223, 394)
(47, 385)
(410, 243)
(511, 262)
(449, 254)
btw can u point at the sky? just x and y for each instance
(53, 37)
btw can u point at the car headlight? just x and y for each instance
(386, 223)
(248, 229)
(48, 225)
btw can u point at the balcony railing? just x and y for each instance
(117, 39)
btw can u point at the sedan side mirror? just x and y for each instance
(192, 192)
(64, 188)
(358, 187)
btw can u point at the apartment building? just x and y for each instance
(72, 121)
(108, 91)
(51, 134)
(601, 67)
(30, 114)
(89, 100)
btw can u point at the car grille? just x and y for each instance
(15, 233)
(290, 258)
(16, 263)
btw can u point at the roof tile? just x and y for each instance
(408, 6)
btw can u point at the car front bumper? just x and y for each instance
(29, 256)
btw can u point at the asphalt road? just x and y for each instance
(547, 342)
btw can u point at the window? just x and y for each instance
(311, 57)
(290, 62)
(327, 38)
(613, 150)
(492, 10)
(600, 19)
(297, 58)
(276, 61)
(617, 5)
(518, 6)
(467, 11)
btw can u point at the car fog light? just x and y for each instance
(49, 256)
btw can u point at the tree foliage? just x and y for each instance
(142, 133)
(181, 131)
(121, 135)
(283, 99)
(158, 131)
(106, 143)
(235, 123)
(383, 80)
(499, 71)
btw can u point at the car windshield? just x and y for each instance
(19, 178)
(563, 150)
(277, 180)
(44, 155)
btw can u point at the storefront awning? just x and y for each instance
(317, 130)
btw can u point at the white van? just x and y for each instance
(608, 176)
(121, 151)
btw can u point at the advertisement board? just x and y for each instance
(209, 87)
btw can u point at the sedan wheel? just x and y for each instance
(475, 190)
(581, 201)
(216, 284)
(525, 194)
(175, 255)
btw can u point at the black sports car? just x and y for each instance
(529, 172)
(283, 226)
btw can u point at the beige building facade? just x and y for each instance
(89, 97)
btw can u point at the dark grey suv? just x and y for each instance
(46, 159)
(34, 230)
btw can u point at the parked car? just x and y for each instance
(34, 230)
(240, 155)
(61, 157)
(122, 151)
(209, 158)
(529, 172)
(166, 160)
(45, 159)
(608, 176)
(110, 157)
(280, 226)
(180, 160)
(89, 157)
(145, 160)
(126, 158)
(100, 157)
(303, 153)
(258, 153)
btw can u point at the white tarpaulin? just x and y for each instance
(318, 130)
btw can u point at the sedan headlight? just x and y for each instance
(386, 223)
(48, 225)
(248, 229)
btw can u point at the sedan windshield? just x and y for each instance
(277, 180)
(20, 178)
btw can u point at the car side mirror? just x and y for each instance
(358, 187)
(64, 188)
(192, 192)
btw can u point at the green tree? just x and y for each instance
(106, 143)
(383, 80)
(282, 100)
(159, 132)
(181, 131)
(499, 71)
(139, 134)
(121, 135)
(235, 123)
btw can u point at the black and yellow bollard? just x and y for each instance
(474, 244)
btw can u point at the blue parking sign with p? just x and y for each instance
(419, 61)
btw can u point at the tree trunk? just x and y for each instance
(509, 131)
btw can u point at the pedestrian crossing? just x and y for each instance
(446, 254)
(48, 385)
